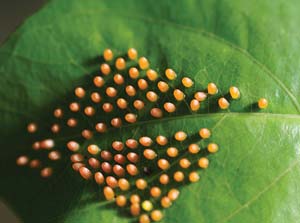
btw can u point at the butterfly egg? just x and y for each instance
(212, 89)
(74, 107)
(123, 184)
(106, 155)
(101, 127)
(87, 134)
(149, 154)
(106, 167)
(122, 103)
(144, 63)
(152, 75)
(118, 170)
(234, 92)
(204, 133)
(89, 111)
(162, 86)
(99, 178)
(194, 105)
(178, 176)
(172, 152)
(223, 103)
(132, 53)
(93, 149)
(141, 184)
(165, 202)
(147, 205)
(169, 107)
(118, 79)
(135, 199)
(133, 157)
(262, 103)
(155, 192)
(79, 92)
(130, 118)
(94, 163)
(152, 96)
(200, 96)
(144, 218)
(119, 158)
(180, 136)
(109, 193)
(98, 81)
(156, 215)
(117, 145)
(77, 166)
(163, 164)
(194, 177)
(22, 160)
(46, 172)
(116, 122)
(111, 92)
(156, 113)
(131, 143)
(77, 157)
(85, 173)
(145, 141)
(203, 162)
(138, 104)
(161, 140)
(47, 144)
(194, 148)
(170, 74)
(111, 181)
(134, 73)
(107, 107)
(32, 127)
(35, 163)
(135, 209)
(178, 95)
(72, 122)
(36, 146)
(120, 63)
(142, 84)
(173, 194)
(105, 69)
(108, 54)
(96, 97)
(212, 147)
(131, 169)
(130, 90)
(55, 128)
(187, 82)
(54, 155)
(121, 200)
(184, 163)
(164, 179)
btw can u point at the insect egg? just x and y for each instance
(79, 92)
(194, 105)
(93, 149)
(131, 169)
(47, 144)
(169, 107)
(194, 148)
(156, 215)
(151, 74)
(121, 200)
(134, 73)
(55, 128)
(77, 166)
(170, 74)
(156, 112)
(173, 194)
(119, 158)
(212, 89)
(106, 155)
(133, 157)
(120, 63)
(172, 152)
(105, 69)
(35, 163)
(135, 209)
(234, 92)
(144, 218)
(135, 199)
(101, 127)
(212, 147)
(99, 178)
(31, 127)
(184, 163)
(74, 107)
(178, 95)
(116, 122)
(163, 86)
(262, 103)
(72, 122)
(77, 157)
(132, 143)
(165, 202)
(200, 96)
(142, 84)
(58, 113)
(178, 176)
(107, 107)
(141, 184)
(85, 173)
(145, 141)
(123, 184)
(161, 140)
(187, 82)
(163, 164)
(118, 79)
(108, 54)
(111, 92)
(94, 163)
(180, 136)
(143, 63)
(87, 134)
(155, 192)
(132, 53)
(109, 193)
(98, 81)
(22, 160)
(138, 104)
(106, 167)
(130, 118)
(54, 155)
(204, 133)
(147, 205)
(89, 111)
(223, 103)
(164, 179)
(111, 181)
(194, 177)
(118, 145)
(203, 162)
(130, 90)
(118, 170)
(46, 172)
(149, 154)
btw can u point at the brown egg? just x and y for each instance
(93, 149)
(96, 97)
(118, 79)
(74, 107)
(132, 169)
(58, 113)
(134, 73)
(79, 92)
(122, 103)
(119, 158)
(109, 193)
(135, 199)
(106, 155)
(108, 54)
(73, 146)
(111, 92)
(55, 128)
(120, 63)
(141, 184)
(163, 86)
(163, 164)
(144, 63)
(132, 143)
(54, 155)
(123, 184)
(142, 84)
(116, 122)
(76, 166)
(184, 163)
(111, 181)
(47, 144)
(87, 134)
(118, 145)
(130, 90)
(138, 104)
(46, 172)
(85, 173)
(200, 96)
(77, 157)
(152, 96)
(135, 209)
(99, 178)
(105, 69)
(169, 107)
(72, 122)
(130, 118)
(152, 75)
(194, 148)
(32, 127)
(133, 157)
(107, 107)
(132, 53)
(101, 127)
(98, 81)
(173, 194)
(155, 192)
(118, 170)
(106, 167)
(149, 154)
(145, 141)
(121, 200)
(156, 112)
(178, 176)
(22, 160)
(35, 163)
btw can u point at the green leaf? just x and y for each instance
(253, 45)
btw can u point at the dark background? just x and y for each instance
(12, 13)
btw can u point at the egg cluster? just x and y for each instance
(141, 174)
